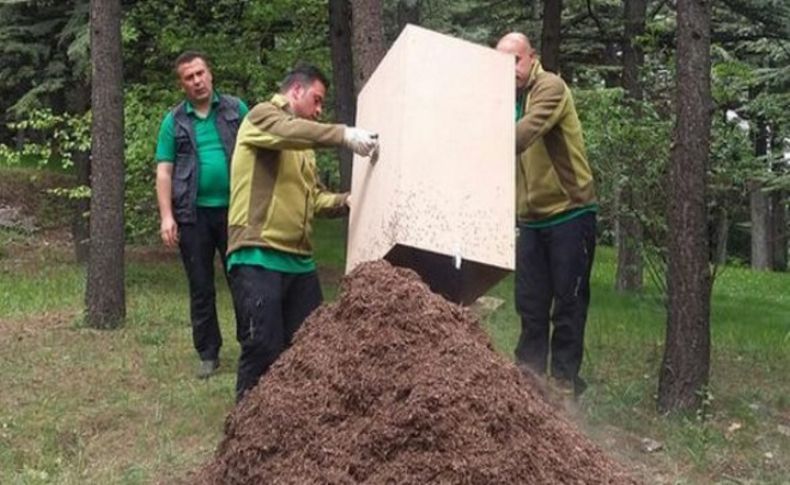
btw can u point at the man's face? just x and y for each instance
(308, 102)
(196, 81)
(525, 56)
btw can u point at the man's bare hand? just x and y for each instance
(169, 232)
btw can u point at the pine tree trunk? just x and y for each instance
(722, 234)
(343, 78)
(550, 35)
(630, 268)
(685, 367)
(760, 208)
(779, 230)
(105, 294)
(367, 39)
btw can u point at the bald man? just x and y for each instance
(556, 212)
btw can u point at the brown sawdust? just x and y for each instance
(393, 384)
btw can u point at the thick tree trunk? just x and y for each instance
(629, 231)
(550, 35)
(408, 13)
(760, 208)
(343, 78)
(685, 367)
(367, 39)
(105, 294)
(779, 230)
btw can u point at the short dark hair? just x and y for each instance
(304, 74)
(189, 56)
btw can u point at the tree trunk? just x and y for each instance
(343, 79)
(105, 295)
(550, 36)
(722, 233)
(685, 367)
(629, 231)
(779, 230)
(78, 102)
(760, 207)
(408, 13)
(367, 39)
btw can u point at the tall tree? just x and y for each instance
(343, 78)
(367, 39)
(550, 35)
(628, 227)
(760, 206)
(105, 294)
(685, 367)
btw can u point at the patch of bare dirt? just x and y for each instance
(393, 384)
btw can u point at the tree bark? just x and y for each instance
(760, 208)
(367, 39)
(779, 230)
(343, 79)
(630, 268)
(684, 372)
(550, 35)
(105, 294)
(722, 234)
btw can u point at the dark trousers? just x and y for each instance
(271, 307)
(553, 267)
(198, 242)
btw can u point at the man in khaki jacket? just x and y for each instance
(275, 192)
(556, 212)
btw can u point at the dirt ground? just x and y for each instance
(393, 384)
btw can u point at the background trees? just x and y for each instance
(619, 56)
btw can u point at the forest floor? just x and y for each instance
(123, 406)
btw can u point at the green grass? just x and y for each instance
(86, 406)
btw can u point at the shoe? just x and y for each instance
(207, 368)
(564, 395)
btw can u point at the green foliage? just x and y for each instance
(61, 137)
(144, 108)
(619, 136)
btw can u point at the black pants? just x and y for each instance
(271, 307)
(198, 242)
(553, 267)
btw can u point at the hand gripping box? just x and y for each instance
(440, 198)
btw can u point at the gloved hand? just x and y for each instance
(361, 142)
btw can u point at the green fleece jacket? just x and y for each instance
(553, 174)
(274, 187)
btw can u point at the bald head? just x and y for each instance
(517, 44)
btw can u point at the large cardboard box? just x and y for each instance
(440, 199)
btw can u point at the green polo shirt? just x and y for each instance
(271, 259)
(214, 176)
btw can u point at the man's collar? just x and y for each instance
(214, 102)
(280, 101)
(537, 68)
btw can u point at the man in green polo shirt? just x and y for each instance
(275, 192)
(555, 211)
(193, 153)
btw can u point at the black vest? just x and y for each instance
(186, 166)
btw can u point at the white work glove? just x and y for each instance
(361, 142)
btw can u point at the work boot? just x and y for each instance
(207, 368)
(564, 394)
